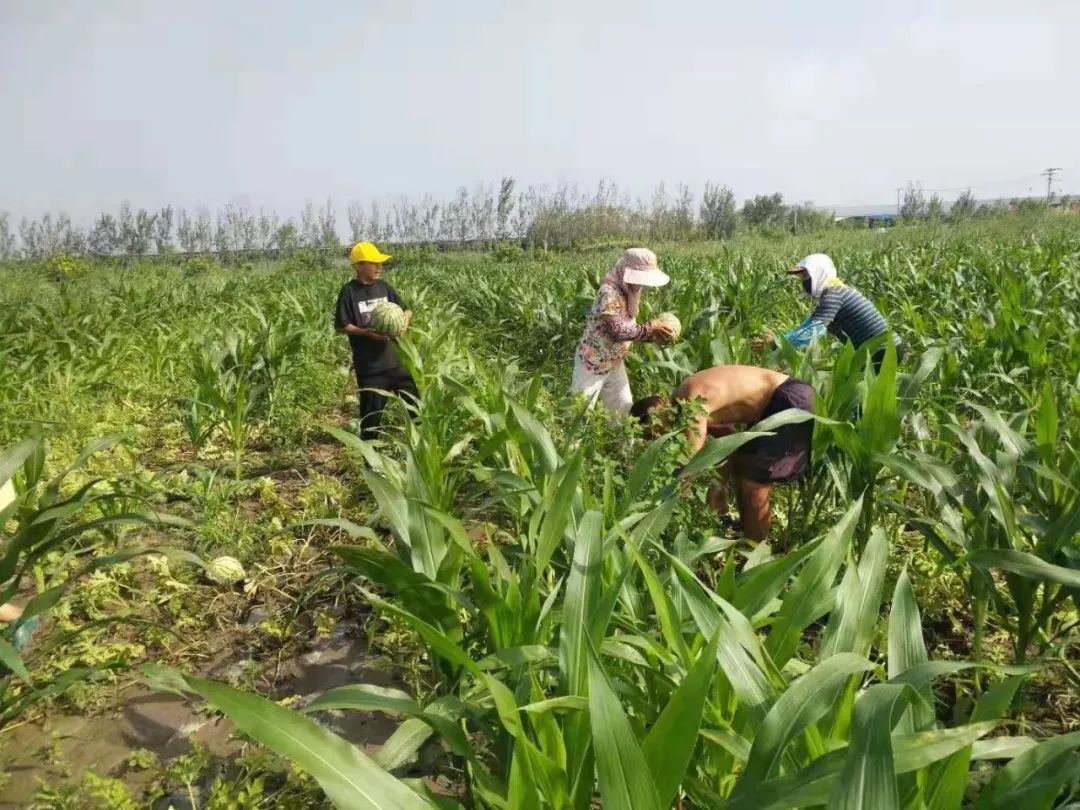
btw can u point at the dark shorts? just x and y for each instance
(373, 401)
(784, 456)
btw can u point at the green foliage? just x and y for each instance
(39, 519)
(765, 210)
(577, 629)
(507, 251)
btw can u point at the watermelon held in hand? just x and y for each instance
(388, 319)
(671, 320)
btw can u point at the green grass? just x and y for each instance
(570, 626)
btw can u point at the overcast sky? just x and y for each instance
(204, 102)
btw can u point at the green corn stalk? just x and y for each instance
(39, 517)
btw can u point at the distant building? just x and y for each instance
(880, 219)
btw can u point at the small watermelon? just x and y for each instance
(388, 319)
(225, 570)
(671, 320)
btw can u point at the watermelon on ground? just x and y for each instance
(225, 570)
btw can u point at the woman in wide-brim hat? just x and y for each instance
(612, 328)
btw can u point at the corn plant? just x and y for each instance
(37, 518)
(985, 524)
(591, 639)
(691, 702)
(237, 375)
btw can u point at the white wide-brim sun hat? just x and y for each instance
(642, 268)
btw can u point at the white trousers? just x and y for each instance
(613, 387)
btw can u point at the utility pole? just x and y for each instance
(1049, 175)
(898, 190)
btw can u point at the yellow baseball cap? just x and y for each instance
(366, 252)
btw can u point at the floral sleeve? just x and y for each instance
(611, 312)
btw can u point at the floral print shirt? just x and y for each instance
(610, 332)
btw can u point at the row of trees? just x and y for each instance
(916, 206)
(558, 218)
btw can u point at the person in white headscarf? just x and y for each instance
(612, 328)
(839, 309)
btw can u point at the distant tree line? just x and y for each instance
(558, 218)
(917, 207)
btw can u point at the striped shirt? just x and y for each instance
(846, 313)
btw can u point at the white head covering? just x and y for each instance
(821, 270)
(635, 269)
(642, 268)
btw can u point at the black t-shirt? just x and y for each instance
(354, 305)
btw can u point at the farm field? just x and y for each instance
(511, 602)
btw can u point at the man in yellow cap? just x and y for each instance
(375, 358)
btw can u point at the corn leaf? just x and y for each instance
(907, 650)
(756, 588)
(417, 593)
(403, 745)
(641, 473)
(583, 591)
(868, 780)
(11, 659)
(716, 451)
(1025, 565)
(806, 700)
(371, 698)
(813, 785)
(746, 677)
(1034, 779)
(669, 744)
(12, 458)
(663, 608)
(538, 436)
(558, 511)
(439, 641)
(393, 506)
(815, 580)
(352, 529)
(851, 626)
(1002, 747)
(351, 779)
(626, 781)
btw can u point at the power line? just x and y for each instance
(970, 186)
(1023, 179)
(1049, 175)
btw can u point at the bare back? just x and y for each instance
(732, 394)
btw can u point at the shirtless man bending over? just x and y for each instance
(746, 395)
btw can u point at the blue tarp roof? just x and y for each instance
(884, 216)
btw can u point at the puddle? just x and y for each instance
(166, 723)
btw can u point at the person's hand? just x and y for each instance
(661, 330)
(721, 430)
(717, 498)
(9, 612)
(379, 337)
(762, 344)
